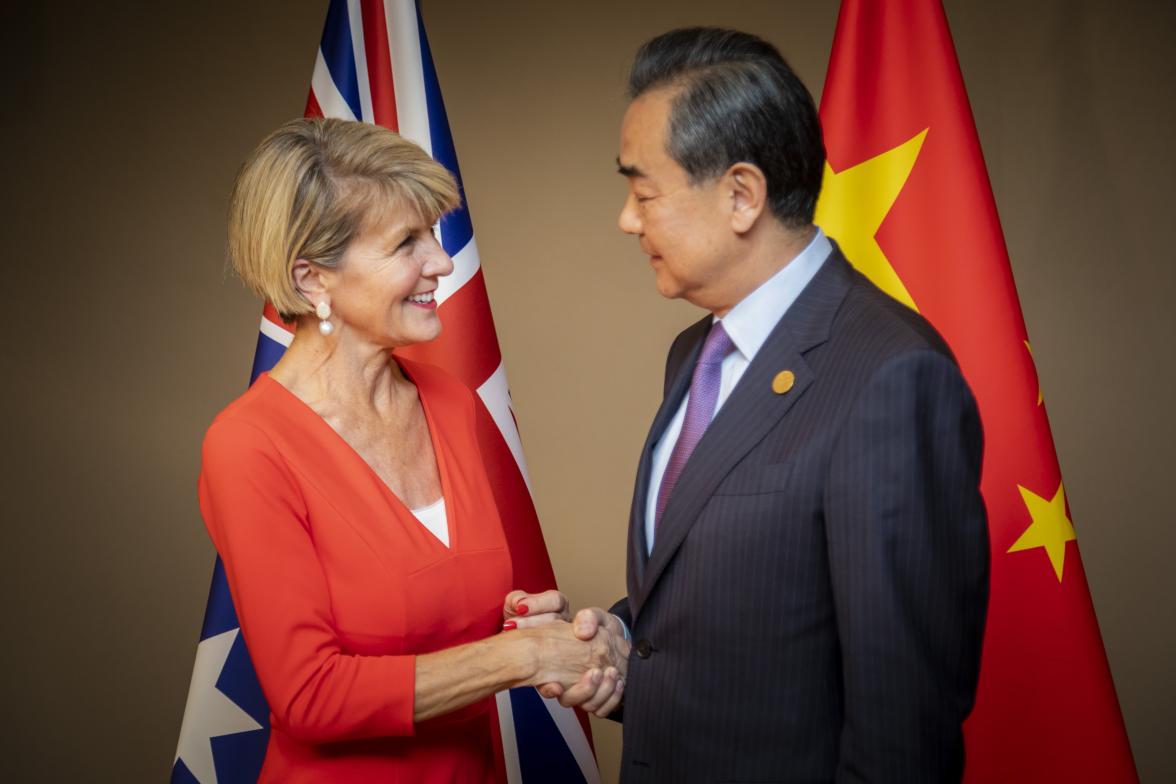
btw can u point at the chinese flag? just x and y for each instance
(907, 197)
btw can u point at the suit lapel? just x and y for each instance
(751, 411)
(675, 390)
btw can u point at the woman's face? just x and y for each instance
(382, 291)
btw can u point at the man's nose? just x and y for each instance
(629, 221)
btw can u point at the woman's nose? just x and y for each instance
(438, 263)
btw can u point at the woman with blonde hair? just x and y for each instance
(345, 490)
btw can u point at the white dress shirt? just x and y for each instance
(748, 324)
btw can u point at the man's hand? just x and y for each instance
(598, 691)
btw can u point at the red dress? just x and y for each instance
(338, 586)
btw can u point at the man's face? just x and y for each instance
(684, 228)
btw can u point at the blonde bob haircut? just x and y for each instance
(307, 190)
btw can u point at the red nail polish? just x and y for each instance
(506, 627)
(522, 609)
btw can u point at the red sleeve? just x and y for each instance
(256, 515)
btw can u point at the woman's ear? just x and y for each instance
(749, 195)
(310, 280)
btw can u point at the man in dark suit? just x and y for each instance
(808, 552)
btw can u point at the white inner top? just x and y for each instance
(433, 517)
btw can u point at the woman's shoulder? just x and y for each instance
(248, 422)
(253, 404)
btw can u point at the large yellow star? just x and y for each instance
(855, 201)
(1051, 528)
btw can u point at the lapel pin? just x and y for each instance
(783, 381)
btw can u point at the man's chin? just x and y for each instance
(666, 286)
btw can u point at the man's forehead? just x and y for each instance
(643, 126)
(643, 134)
(647, 113)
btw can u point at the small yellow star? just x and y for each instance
(1051, 528)
(1030, 348)
(855, 201)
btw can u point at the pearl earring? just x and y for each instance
(323, 311)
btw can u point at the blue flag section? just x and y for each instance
(457, 230)
(543, 753)
(226, 720)
(224, 693)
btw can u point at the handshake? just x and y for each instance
(581, 661)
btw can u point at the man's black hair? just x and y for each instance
(737, 100)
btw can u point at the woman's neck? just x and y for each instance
(340, 372)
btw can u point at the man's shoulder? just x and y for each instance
(876, 323)
(862, 321)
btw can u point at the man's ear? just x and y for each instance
(310, 280)
(749, 195)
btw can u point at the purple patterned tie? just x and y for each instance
(704, 392)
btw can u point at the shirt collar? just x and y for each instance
(751, 321)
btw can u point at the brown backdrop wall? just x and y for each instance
(123, 129)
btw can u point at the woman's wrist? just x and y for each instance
(521, 649)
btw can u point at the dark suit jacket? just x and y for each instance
(814, 603)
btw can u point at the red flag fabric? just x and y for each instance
(907, 196)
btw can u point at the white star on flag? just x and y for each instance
(209, 713)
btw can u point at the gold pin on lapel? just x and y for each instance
(783, 381)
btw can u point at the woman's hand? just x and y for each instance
(523, 610)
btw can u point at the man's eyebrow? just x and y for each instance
(628, 171)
